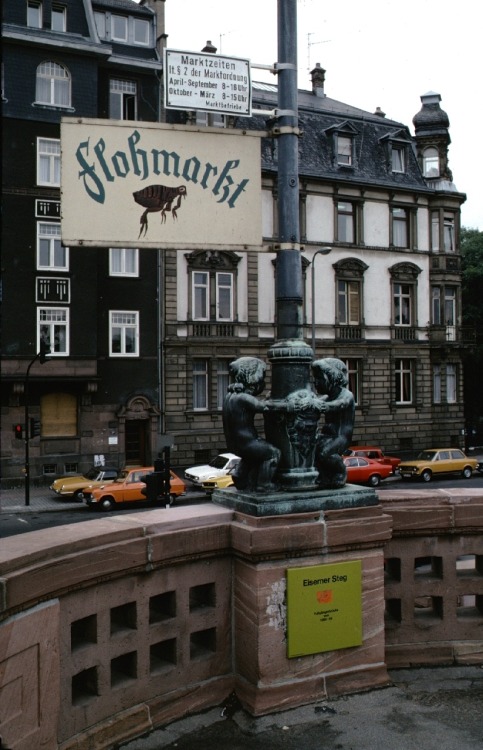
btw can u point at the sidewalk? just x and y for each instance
(424, 709)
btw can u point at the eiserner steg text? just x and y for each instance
(99, 167)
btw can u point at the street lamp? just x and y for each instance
(322, 251)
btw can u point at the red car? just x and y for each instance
(364, 471)
(375, 454)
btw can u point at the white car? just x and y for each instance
(223, 464)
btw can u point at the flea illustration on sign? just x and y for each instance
(160, 198)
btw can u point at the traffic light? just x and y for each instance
(18, 429)
(44, 352)
(34, 430)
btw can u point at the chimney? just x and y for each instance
(318, 78)
(379, 112)
(209, 47)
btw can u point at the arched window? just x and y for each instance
(431, 162)
(53, 85)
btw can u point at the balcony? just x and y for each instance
(349, 333)
(404, 333)
(211, 330)
(452, 334)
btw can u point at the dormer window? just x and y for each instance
(344, 150)
(113, 27)
(34, 14)
(398, 161)
(341, 138)
(431, 162)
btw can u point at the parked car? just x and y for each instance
(217, 483)
(72, 486)
(375, 454)
(128, 489)
(365, 471)
(438, 461)
(223, 464)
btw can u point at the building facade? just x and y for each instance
(140, 340)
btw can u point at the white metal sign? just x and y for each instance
(213, 83)
(131, 184)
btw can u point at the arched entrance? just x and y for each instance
(138, 420)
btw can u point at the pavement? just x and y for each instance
(438, 708)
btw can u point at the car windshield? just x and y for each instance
(427, 455)
(218, 463)
(92, 473)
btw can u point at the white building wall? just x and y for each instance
(376, 224)
(320, 218)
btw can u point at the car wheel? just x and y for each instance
(426, 476)
(77, 496)
(467, 472)
(374, 480)
(107, 503)
(172, 498)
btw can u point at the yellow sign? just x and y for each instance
(131, 184)
(324, 608)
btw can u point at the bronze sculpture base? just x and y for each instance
(295, 501)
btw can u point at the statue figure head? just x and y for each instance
(330, 374)
(250, 372)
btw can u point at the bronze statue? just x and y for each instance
(336, 402)
(259, 458)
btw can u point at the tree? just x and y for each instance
(472, 310)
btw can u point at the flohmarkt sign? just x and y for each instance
(210, 83)
(324, 608)
(131, 184)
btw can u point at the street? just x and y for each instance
(20, 522)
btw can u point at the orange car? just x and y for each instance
(128, 489)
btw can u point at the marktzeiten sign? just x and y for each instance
(151, 185)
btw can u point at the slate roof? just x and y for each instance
(317, 116)
(127, 6)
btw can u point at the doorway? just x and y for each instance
(136, 443)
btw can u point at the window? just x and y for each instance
(344, 150)
(435, 231)
(404, 381)
(451, 384)
(123, 29)
(123, 261)
(400, 227)
(402, 297)
(124, 333)
(437, 384)
(398, 159)
(100, 19)
(224, 296)
(431, 162)
(436, 305)
(122, 100)
(348, 302)
(58, 20)
(34, 14)
(212, 285)
(345, 222)
(200, 289)
(222, 381)
(200, 384)
(58, 415)
(53, 328)
(450, 305)
(119, 28)
(353, 371)
(449, 235)
(140, 31)
(51, 254)
(53, 85)
(48, 161)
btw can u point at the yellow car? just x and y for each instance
(217, 483)
(72, 487)
(438, 461)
